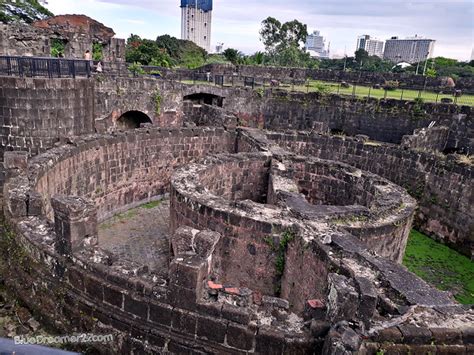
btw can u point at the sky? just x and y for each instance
(237, 23)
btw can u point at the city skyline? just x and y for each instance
(237, 24)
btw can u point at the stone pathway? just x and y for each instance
(140, 234)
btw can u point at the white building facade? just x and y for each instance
(372, 46)
(196, 19)
(409, 50)
(315, 44)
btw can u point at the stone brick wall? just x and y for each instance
(26, 40)
(21, 40)
(354, 200)
(82, 287)
(37, 113)
(243, 235)
(208, 115)
(382, 120)
(430, 138)
(443, 188)
(118, 171)
(158, 99)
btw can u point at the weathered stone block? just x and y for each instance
(189, 272)
(342, 299)
(211, 329)
(15, 160)
(240, 337)
(468, 335)
(35, 204)
(268, 341)
(205, 242)
(113, 296)
(137, 307)
(183, 321)
(446, 336)
(181, 241)
(393, 335)
(275, 302)
(368, 299)
(75, 223)
(415, 335)
(237, 314)
(160, 313)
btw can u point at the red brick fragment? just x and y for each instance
(214, 286)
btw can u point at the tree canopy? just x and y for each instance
(26, 11)
(165, 51)
(284, 42)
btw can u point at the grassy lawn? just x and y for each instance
(440, 266)
(364, 91)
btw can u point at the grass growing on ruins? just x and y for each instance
(125, 216)
(440, 266)
(151, 204)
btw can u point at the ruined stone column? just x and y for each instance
(75, 222)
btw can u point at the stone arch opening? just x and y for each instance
(132, 120)
(205, 98)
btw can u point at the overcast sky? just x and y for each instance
(236, 23)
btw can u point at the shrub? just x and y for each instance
(391, 85)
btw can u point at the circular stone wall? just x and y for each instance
(372, 208)
(209, 195)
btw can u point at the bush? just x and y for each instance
(391, 85)
(57, 47)
(136, 68)
(97, 49)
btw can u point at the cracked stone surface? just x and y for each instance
(140, 234)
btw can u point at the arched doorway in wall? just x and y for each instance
(132, 120)
(205, 98)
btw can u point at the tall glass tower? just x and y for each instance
(196, 17)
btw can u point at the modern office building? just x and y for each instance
(196, 18)
(410, 50)
(372, 46)
(316, 45)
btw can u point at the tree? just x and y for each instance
(182, 52)
(283, 42)
(26, 11)
(270, 33)
(361, 56)
(233, 55)
(293, 33)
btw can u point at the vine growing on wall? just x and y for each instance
(157, 99)
(280, 249)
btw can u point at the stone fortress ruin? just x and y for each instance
(275, 235)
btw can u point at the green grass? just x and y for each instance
(151, 204)
(440, 266)
(124, 216)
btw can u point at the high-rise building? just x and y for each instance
(315, 43)
(372, 46)
(409, 50)
(196, 17)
